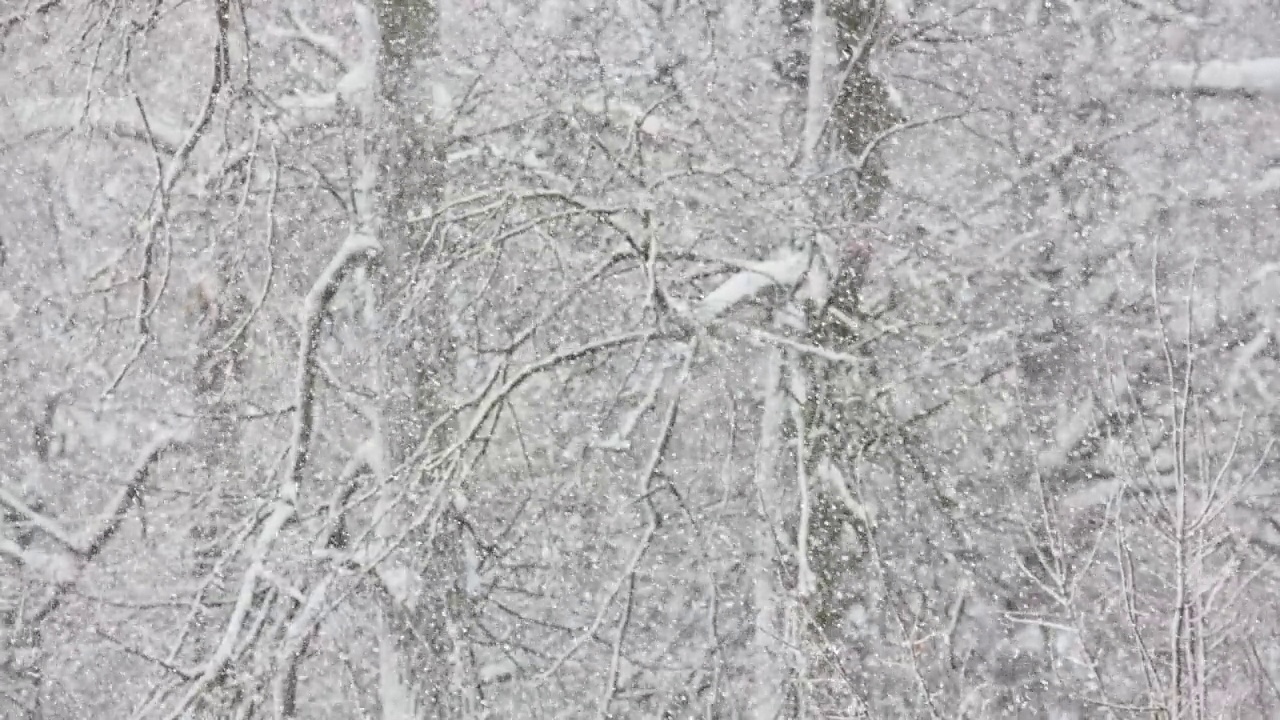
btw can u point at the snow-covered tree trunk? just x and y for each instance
(779, 654)
(397, 177)
(414, 373)
(845, 108)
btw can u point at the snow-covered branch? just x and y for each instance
(90, 543)
(786, 269)
(357, 249)
(1258, 77)
(816, 107)
(298, 637)
(245, 601)
(221, 68)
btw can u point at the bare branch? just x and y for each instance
(11, 21)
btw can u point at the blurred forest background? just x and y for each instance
(639, 359)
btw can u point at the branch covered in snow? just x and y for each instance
(221, 68)
(786, 269)
(358, 248)
(1258, 77)
(91, 543)
(302, 630)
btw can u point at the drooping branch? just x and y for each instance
(64, 571)
(357, 249)
(87, 545)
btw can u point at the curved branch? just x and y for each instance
(357, 248)
(9, 22)
(88, 545)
